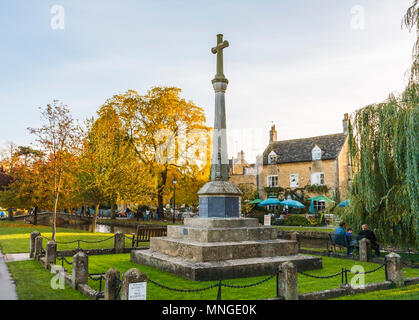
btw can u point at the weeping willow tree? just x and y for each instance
(384, 152)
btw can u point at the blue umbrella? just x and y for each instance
(292, 204)
(343, 203)
(269, 202)
(312, 207)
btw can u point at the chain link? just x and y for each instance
(371, 271)
(320, 277)
(181, 290)
(250, 285)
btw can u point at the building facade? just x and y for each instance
(241, 172)
(305, 167)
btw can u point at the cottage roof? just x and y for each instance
(299, 150)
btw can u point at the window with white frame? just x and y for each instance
(272, 158)
(294, 180)
(317, 178)
(319, 205)
(272, 181)
(316, 153)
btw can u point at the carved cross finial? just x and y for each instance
(221, 45)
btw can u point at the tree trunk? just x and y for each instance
(54, 219)
(160, 190)
(95, 217)
(113, 216)
(35, 216)
(10, 214)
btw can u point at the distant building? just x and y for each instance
(297, 165)
(241, 172)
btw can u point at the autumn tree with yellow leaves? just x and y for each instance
(168, 134)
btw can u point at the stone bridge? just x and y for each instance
(64, 217)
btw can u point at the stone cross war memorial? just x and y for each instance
(219, 244)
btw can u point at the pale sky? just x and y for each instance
(301, 64)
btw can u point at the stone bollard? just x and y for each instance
(51, 253)
(394, 269)
(294, 236)
(288, 281)
(131, 276)
(119, 242)
(38, 247)
(112, 284)
(364, 250)
(80, 269)
(34, 235)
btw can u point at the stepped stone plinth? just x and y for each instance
(221, 248)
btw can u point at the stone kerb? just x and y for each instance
(288, 281)
(38, 248)
(51, 253)
(112, 277)
(34, 235)
(131, 276)
(119, 242)
(365, 250)
(80, 273)
(394, 269)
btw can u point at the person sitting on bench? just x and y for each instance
(369, 234)
(341, 238)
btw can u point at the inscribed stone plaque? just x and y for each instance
(137, 291)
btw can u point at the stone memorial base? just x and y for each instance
(206, 249)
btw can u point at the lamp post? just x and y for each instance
(174, 200)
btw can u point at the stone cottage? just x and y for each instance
(308, 166)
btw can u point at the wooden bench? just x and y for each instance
(340, 241)
(144, 234)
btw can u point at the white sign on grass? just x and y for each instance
(267, 220)
(137, 291)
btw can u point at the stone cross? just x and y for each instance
(221, 45)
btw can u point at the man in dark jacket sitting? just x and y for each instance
(367, 233)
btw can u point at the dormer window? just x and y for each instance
(316, 153)
(272, 157)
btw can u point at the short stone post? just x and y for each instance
(38, 247)
(288, 281)
(80, 269)
(51, 253)
(394, 269)
(364, 250)
(34, 235)
(119, 242)
(294, 236)
(112, 277)
(129, 277)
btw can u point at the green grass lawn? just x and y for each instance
(33, 283)
(14, 237)
(100, 264)
(406, 293)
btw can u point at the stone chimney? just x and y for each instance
(240, 157)
(272, 134)
(345, 123)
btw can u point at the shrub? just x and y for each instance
(279, 222)
(297, 220)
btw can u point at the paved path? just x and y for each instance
(7, 285)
